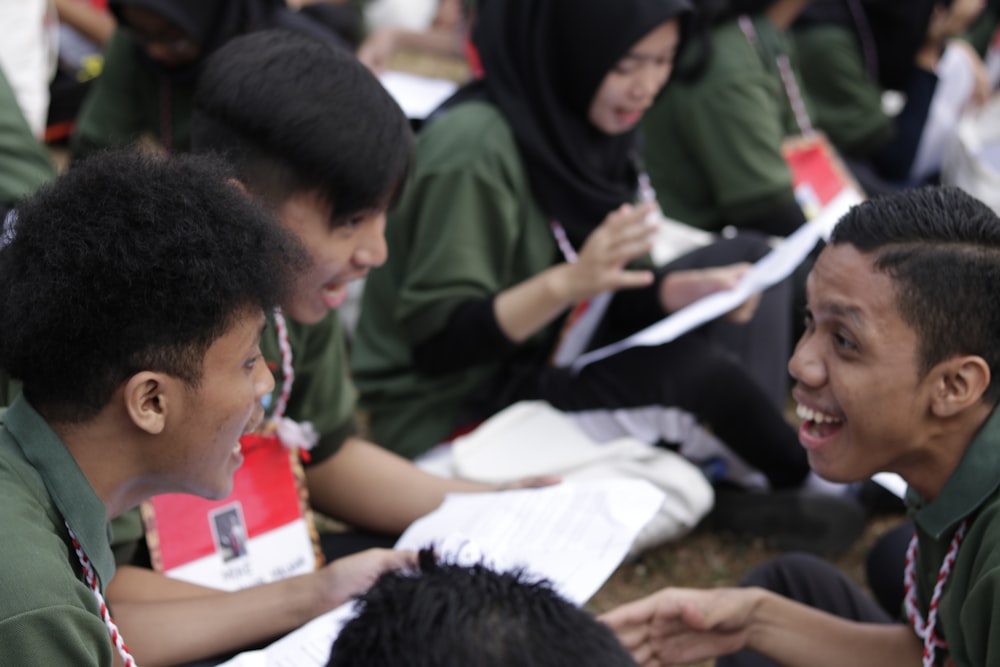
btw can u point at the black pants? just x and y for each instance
(814, 582)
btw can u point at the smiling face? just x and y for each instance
(339, 253)
(864, 405)
(629, 89)
(204, 452)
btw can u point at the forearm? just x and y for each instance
(372, 488)
(526, 308)
(92, 23)
(796, 635)
(166, 621)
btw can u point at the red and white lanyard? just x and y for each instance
(287, 372)
(927, 630)
(788, 79)
(88, 573)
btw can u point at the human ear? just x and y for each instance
(960, 382)
(146, 401)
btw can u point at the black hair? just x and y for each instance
(295, 114)
(941, 247)
(448, 615)
(128, 263)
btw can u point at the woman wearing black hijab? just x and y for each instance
(520, 207)
(146, 87)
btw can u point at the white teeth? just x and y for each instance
(237, 448)
(808, 414)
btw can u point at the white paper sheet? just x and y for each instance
(418, 96)
(769, 270)
(574, 534)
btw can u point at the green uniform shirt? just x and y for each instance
(970, 603)
(847, 103)
(48, 614)
(713, 146)
(467, 228)
(25, 164)
(322, 393)
(130, 100)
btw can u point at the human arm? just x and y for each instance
(167, 621)
(372, 488)
(680, 626)
(682, 288)
(94, 24)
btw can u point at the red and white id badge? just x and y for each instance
(262, 532)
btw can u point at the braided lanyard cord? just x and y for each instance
(788, 80)
(88, 573)
(287, 371)
(926, 630)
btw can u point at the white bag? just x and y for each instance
(973, 160)
(532, 438)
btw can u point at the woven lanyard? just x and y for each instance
(88, 573)
(927, 630)
(788, 80)
(287, 372)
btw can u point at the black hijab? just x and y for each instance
(210, 23)
(543, 62)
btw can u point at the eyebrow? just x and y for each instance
(851, 313)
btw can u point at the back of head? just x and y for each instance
(130, 263)
(295, 114)
(447, 615)
(941, 247)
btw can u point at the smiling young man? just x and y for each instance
(132, 300)
(313, 135)
(896, 372)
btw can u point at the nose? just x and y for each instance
(806, 365)
(264, 383)
(650, 79)
(372, 250)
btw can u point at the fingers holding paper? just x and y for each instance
(682, 288)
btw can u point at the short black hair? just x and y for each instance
(448, 615)
(941, 248)
(296, 114)
(127, 263)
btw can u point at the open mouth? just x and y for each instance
(817, 427)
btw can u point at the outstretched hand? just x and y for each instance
(600, 267)
(678, 626)
(351, 575)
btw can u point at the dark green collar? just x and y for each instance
(69, 489)
(975, 480)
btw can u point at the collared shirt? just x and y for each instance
(48, 614)
(971, 599)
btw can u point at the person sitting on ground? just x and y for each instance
(122, 399)
(448, 615)
(521, 206)
(714, 136)
(311, 134)
(851, 52)
(147, 82)
(899, 371)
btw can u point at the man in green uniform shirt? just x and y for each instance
(897, 371)
(132, 300)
